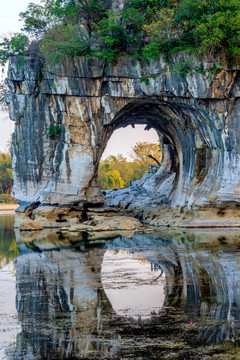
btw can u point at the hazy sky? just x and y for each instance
(121, 141)
(10, 10)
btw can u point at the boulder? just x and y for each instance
(30, 225)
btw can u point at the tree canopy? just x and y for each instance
(142, 150)
(6, 178)
(142, 29)
(108, 177)
(128, 171)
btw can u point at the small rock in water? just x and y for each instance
(30, 225)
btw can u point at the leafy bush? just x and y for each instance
(63, 41)
(53, 131)
(111, 33)
(15, 45)
(212, 26)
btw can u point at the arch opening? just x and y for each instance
(131, 152)
(189, 142)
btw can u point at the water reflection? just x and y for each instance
(203, 281)
(59, 303)
(8, 247)
(169, 295)
(9, 326)
(130, 285)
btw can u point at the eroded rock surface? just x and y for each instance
(65, 226)
(149, 200)
(196, 117)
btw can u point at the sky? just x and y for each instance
(10, 9)
(122, 139)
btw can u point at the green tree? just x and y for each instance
(38, 18)
(129, 170)
(111, 33)
(13, 45)
(6, 178)
(124, 167)
(108, 177)
(205, 27)
(141, 150)
(63, 41)
(142, 29)
(214, 25)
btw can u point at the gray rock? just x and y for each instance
(197, 117)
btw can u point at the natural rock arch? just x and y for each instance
(196, 116)
(189, 140)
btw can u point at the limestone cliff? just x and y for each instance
(197, 117)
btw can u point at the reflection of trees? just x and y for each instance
(8, 247)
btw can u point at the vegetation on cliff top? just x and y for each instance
(142, 29)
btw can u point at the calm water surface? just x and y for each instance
(162, 295)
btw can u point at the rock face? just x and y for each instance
(197, 117)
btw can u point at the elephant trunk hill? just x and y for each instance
(65, 115)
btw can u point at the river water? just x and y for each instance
(162, 295)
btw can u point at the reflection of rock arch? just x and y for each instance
(197, 117)
(60, 304)
(62, 291)
(199, 280)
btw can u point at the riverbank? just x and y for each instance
(7, 209)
